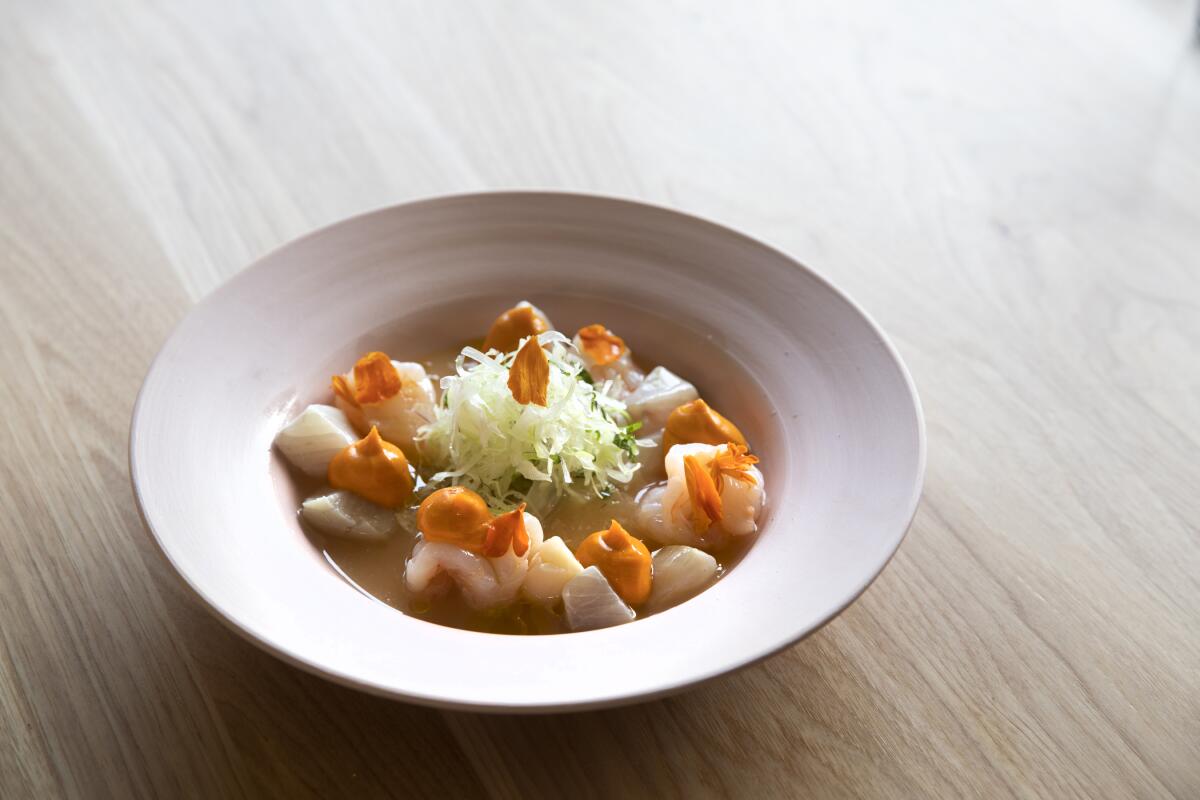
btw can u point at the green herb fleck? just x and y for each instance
(626, 440)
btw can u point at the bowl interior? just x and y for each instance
(822, 397)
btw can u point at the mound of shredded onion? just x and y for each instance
(485, 440)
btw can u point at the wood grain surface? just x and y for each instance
(1011, 188)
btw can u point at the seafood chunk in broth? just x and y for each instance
(712, 493)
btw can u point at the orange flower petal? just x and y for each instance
(702, 491)
(601, 345)
(733, 461)
(375, 379)
(529, 376)
(507, 530)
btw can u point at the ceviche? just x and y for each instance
(531, 482)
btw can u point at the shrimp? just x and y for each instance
(484, 582)
(394, 396)
(712, 492)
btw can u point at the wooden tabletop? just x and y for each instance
(1012, 189)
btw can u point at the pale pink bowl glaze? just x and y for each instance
(820, 392)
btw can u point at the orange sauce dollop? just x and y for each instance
(374, 470)
(514, 325)
(698, 423)
(455, 515)
(622, 558)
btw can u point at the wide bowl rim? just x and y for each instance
(264, 641)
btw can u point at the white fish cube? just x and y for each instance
(657, 396)
(591, 603)
(312, 439)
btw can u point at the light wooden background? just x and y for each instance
(1012, 188)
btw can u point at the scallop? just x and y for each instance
(656, 397)
(590, 602)
(347, 515)
(680, 572)
(549, 571)
(312, 439)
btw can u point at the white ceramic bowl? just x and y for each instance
(817, 388)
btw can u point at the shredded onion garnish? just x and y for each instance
(510, 452)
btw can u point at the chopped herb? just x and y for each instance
(626, 440)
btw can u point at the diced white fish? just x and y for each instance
(549, 571)
(680, 572)
(311, 440)
(590, 602)
(665, 510)
(650, 404)
(399, 417)
(656, 397)
(347, 515)
(484, 582)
